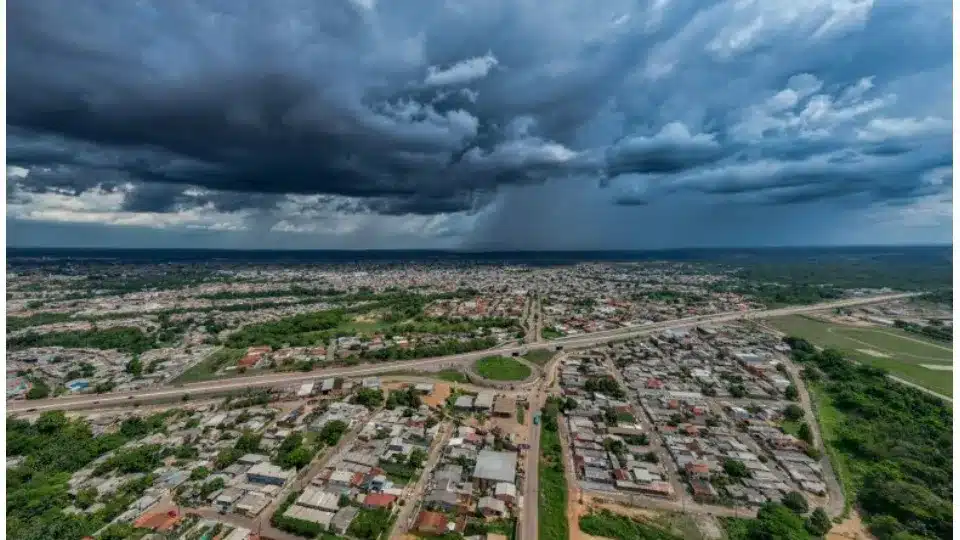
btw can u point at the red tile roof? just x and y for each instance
(431, 522)
(379, 500)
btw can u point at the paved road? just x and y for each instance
(413, 496)
(531, 479)
(88, 401)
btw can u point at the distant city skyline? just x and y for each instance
(479, 125)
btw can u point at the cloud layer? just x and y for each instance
(444, 123)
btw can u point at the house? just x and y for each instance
(452, 473)
(379, 500)
(505, 407)
(493, 467)
(431, 523)
(423, 388)
(697, 470)
(703, 492)
(158, 521)
(267, 473)
(320, 517)
(319, 499)
(464, 403)
(484, 401)
(227, 498)
(252, 459)
(343, 518)
(340, 479)
(506, 492)
(490, 507)
(306, 389)
(252, 504)
(659, 489)
(239, 533)
(442, 499)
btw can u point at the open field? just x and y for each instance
(904, 355)
(500, 368)
(540, 357)
(208, 367)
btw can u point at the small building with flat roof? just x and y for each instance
(493, 467)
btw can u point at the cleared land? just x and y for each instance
(904, 355)
(499, 368)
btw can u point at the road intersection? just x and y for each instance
(235, 384)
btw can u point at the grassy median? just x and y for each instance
(552, 510)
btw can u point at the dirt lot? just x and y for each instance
(441, 391)
(850, 529)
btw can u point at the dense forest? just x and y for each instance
(893, 442)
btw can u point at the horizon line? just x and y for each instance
(484, 250)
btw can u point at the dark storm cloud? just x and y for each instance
(423, 107)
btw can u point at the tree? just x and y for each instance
(735, 468)
(818, 523)
(651, 457)
(793, 412)
(199, 473)
(210, 487)
(805, 433)
(615, 446)
(134, 366)
(332, 431)
(227, 457)
(39, 390)
(777, 521)
(248, 443)
(791, 392)
(796, 501)
(298, 458)
(417, 457)
(86, 497)
(368, 397)
(737, 390)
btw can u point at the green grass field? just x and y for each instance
(539, 357)
(901, 353)
(550, 333)
(499, 368)
(363, 327)
(208, 367)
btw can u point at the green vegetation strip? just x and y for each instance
(892, 444)
(905, 353)
(610, 525)
(552, 509)
(499, 368)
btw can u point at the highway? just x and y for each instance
(226, 386)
